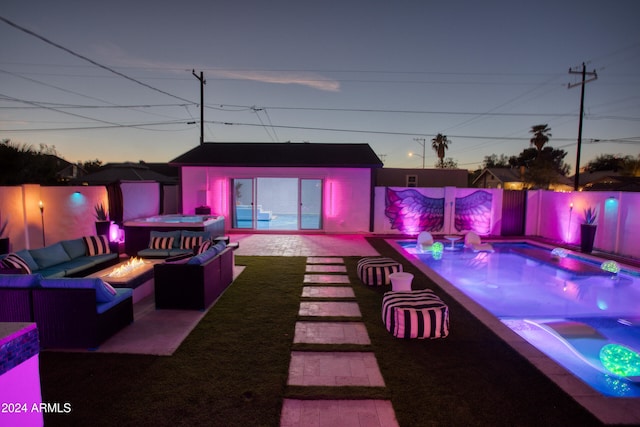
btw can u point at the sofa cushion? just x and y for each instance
(121, 295)
(77, 265)
(20, 280)
(220, 246)
(15, 261)
(82, 263)
(26, 256)
(53, 272)
(50, 255)
(178, 259)
(96, 245)
(208, 254)
(153, 253)
(75, 247)
(104, 291)
(175, 234)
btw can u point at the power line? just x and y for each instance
(381, 132)
(91, 61)
(90, 107)
(377, 110)
(112, 126)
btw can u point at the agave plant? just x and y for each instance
(101, 214)
(590, 216)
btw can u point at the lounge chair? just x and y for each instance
(473, 242)
(424, 241)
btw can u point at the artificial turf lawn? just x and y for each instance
(233, 367)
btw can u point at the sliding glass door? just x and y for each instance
(242, 203)
(310, 204)
(277, 204)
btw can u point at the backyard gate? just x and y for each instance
(514, 204)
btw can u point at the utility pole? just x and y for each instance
(584, 73)
(202, 83)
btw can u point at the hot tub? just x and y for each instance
(137, 232)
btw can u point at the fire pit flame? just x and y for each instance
(126, 268)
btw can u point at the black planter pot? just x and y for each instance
(4, 245)
(587, 236)
(102, 228)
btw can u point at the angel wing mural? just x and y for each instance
(473, 212)
(411, 212)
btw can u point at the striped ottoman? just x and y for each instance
(415, 314)
(375, 271)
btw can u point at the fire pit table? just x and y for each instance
(134, 273)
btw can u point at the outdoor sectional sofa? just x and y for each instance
(67, 258)
(194, 282)
(69, 312)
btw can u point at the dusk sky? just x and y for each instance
(352, 71)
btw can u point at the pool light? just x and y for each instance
(558, 253)
(436, 250)
(621, 360)
(610, 266)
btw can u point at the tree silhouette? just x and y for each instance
(541, 135)
(23, 164)
(440, 144)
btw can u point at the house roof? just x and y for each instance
(114, 172)
(588, 177)
(502, 174)
(614, 183)
(514, 175)
(280, 155)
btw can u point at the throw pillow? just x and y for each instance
(109, 288)
(175, 234)
(14, 261)
(204, 246)
(190, 242)
(97, 245)
(161, 243)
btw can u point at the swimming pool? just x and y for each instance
(583, 318)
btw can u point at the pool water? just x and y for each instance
(284, 222)
(587, 322)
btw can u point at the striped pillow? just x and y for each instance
(14, 261)
(204, 247)
(161, 243)
(97, 245)
(190, 242)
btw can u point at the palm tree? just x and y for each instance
(440, 144)
(541, 135)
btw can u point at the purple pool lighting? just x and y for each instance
(583, 317)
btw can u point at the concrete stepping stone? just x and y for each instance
(329, 309)
(331, 333)
(315, 368)
(328, 292)
(326, 278)
(324, 260)
(324, 268)
(337, 413)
